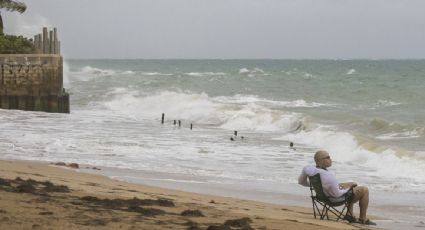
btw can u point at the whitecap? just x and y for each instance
(253, 72)
(386, 103)
(156, 74)
(308, 76)
(399, 135)
(244, 71)
(242, 99)
(128, 72)
(97, 71)
(351, 71)
(201, 74)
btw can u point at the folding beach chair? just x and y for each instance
(321, 203)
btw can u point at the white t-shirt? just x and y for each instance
(329, 183)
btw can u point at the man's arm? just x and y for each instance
(302, 179)
(331, 185)
(347, 185)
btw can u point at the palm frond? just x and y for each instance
(13, 5)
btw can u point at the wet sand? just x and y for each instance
(36, 195)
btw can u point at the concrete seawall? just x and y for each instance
(33, 82)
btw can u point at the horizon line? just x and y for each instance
(248, 59)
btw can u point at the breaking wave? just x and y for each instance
(347, 149)
(253, 72)
(246, 114)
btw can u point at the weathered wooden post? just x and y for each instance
(55, 41)
(40, 43)
(36, 41)
(45, 41)
(51, 48)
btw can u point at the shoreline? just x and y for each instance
(391, 210)
(66, 209)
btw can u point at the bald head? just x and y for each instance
(322, 159)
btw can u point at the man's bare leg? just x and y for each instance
(347, 185)
(361, 194)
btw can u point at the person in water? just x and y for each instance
(291, 146)
(335, 190)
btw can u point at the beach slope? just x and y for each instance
(36, 195)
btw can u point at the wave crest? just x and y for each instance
(253, 72)
(200, 108)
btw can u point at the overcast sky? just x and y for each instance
(330, 29)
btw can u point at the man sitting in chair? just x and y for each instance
(334, 190)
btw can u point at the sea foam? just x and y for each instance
(345, 149)
(237, 112)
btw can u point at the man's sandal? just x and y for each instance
(366, 222)
(351, 219)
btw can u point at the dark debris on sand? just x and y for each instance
(118, 203)
(218, 227)
(146, 211)
(135, 205)
(192, 225)
(30, 186)
(131, 205)
(240, 224)
(193, 213)
(4, 182)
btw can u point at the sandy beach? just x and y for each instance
(201, 115)
(36, 195)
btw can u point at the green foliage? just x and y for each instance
(10, 5)
(10, 44)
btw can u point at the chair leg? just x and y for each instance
(327, 212)
(314, 207)
(324, 212)
(320, 212)
(341, 214)
(348, 210)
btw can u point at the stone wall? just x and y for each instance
(33, 82)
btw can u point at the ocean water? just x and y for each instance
(369, 114)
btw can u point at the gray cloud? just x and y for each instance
(230, 28)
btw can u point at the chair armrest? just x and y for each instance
(350, 193)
